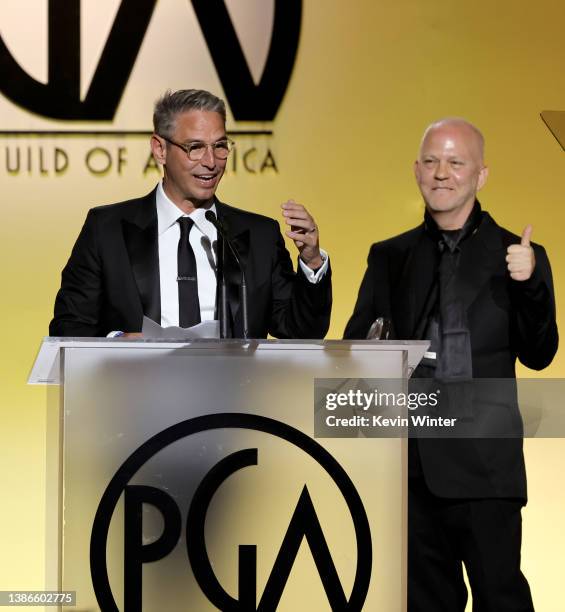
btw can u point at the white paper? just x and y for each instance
(207, 329)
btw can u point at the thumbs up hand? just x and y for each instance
(520, 257)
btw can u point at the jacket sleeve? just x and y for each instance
(373, 299)
(78, 302)
(536, 333)
(299, 308)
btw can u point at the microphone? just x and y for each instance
(211, 216)
(222, 230)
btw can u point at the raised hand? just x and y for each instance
(520, 257)
(304, 232)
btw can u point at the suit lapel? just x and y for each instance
(240, 239)
(141, 240)
(482, 255)
(417, 281)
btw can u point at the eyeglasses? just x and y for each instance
(196, 150)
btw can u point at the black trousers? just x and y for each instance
(483, 534)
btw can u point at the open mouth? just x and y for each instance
(205, 179)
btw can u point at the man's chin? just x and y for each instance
(440, 200)
(202, 202)
(202, 197)
(438, 207)
(203, 191)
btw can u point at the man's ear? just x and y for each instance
(483, 175)
(417, 171)
(159, 149)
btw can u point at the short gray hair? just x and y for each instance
(172, 103)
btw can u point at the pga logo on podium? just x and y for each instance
(304, 525)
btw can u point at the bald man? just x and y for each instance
(483, 297)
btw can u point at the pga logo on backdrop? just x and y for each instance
(59, 98)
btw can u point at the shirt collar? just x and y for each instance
(168, 213)
(452, 238)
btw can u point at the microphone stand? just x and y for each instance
(223, 295)
(223, 288)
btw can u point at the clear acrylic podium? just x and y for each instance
(185, 476)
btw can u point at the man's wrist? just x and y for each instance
(314, 276)
(315, 263)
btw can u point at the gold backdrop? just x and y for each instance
(369, 76)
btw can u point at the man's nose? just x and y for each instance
(442, 170)
(208, 158)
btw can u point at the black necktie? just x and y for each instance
(455, 360)
(189, 306)
(453, 334)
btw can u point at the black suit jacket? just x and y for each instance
(112, 277)
(507, 320)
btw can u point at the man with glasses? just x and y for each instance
(158, 255)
